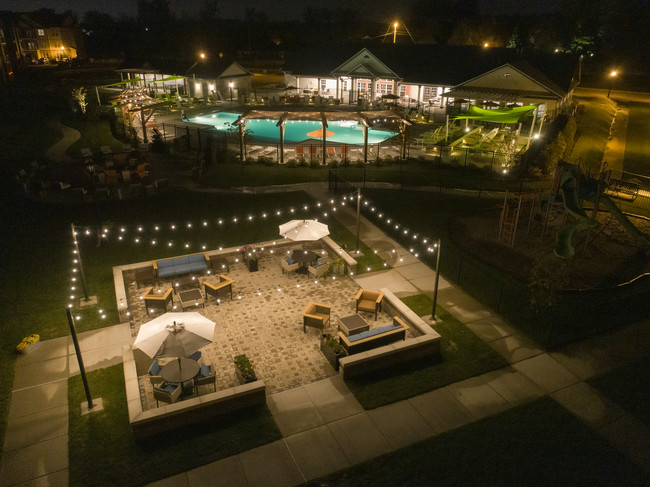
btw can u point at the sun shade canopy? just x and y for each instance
(500, 115)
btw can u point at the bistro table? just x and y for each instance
(180, 371)
(303, 257)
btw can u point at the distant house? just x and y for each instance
(431, 75)
(40, 37)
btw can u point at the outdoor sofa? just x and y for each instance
(183, 264)
(376, 337)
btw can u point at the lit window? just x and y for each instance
(41, 32)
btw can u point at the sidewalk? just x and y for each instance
(323, 426)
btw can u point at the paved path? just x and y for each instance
(57, 152)
(323, 426)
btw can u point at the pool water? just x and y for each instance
(296, 131)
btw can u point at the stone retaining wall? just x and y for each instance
(189, 411)
(427, 344)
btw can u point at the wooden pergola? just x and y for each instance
(135, 100)
(365, 118)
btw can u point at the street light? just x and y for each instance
(231, 85)
(612, 75)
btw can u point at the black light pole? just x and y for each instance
(358, 216)
(77, 350)
(612, 75)
(78, 254)
(230, 85)
(435, 287)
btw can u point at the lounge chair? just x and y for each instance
(167, 393)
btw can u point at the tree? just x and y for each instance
(79, 94)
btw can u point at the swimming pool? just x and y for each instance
(296, 131)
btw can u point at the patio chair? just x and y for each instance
(206, 376)
(154, 373)
(369, 301)
(196, 356)
(168, 393)
(317, 270)
(316, 315)
(289, 265)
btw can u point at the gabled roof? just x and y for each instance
(364, 63)
(439, 65)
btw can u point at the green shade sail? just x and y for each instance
(499, 115)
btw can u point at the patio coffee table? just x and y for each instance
(353, 324)
(191, 297)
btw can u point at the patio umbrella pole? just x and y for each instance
(82, 369)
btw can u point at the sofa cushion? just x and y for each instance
(182, 260)
(373, 332)
(197, 258)
(165, 263)
(290, 261)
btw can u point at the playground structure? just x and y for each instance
(571, 187)
(510, 213)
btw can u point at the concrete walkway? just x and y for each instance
(57, 152)
(323, 426)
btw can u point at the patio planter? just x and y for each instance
(333, 356)
(252, 265)
(29, 344)
(244, 369)
(243, 380)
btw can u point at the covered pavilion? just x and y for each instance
(365, 118)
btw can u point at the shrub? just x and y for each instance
(314, 164)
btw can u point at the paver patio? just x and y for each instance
(264, 321)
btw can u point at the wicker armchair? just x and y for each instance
(369, 301)
(167, 393)
(288, 267)
(316, 315)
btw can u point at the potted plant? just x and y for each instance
(28, 343)
(250, 257)
(336, 267)
(332, 350)
(244, 369)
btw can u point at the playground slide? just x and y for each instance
(563, 247)
(587, 189)
(640, 237)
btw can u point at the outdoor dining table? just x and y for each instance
(180, 371)
(303, 257)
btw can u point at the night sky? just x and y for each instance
(291, 9)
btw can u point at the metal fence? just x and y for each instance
(481, 186)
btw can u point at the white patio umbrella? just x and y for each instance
(304, 230)
(175, 334)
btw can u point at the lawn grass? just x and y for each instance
(463, 354)
(102, 450)
(536, 444)
(628, 386)
(94, 134)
